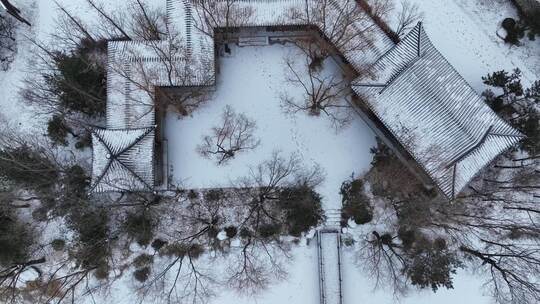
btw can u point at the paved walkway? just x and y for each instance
(329, 258)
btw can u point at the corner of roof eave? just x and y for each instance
(517, 138)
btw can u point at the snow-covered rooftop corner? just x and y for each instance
(123, 160)
(133, 66)
(441, 121)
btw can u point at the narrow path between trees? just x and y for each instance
(329, 259)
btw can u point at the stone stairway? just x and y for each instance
(329, 258)
(333, 219)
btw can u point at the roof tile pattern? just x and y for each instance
(119, 160)
(434, 113)
(187, 57)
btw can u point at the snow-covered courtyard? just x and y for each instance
(251, 81)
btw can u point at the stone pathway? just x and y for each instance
(329, 259)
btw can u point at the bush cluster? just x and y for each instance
(302, 208)
(431, 263)
(16, 238)
(356, 204)
(26, 166)
(140, 225)
(91, 248)
(79, 85)
(518, 105)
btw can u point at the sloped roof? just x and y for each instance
(135, 66)
(433, 112)
(123, 160)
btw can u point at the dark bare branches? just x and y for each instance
(512, 270)
(7, 41)
(343, 23)
(147, 23)
(220, 16)
(235, 134)
(115, 21)
(408, 17)
(323, 92)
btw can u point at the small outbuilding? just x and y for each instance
(123, 160)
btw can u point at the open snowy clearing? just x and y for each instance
(250, 82)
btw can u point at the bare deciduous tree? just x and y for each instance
(7, 41)
(256, 264)
(497, 224)
(379, 256)
(112, 24)
(408, 15)
(11, 281)
(183, 277)
(512, 270)
(147, 23)
(71, 29)
(343, 23)
(185, 271)
(234, 134)
(322, 92)
(493, 225)
(261, 256)
(167, 74)
(221, 16)
(252, 206)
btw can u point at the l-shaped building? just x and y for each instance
(407, 90)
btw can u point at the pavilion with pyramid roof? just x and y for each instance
(117, 155)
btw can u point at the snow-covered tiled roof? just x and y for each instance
(331, 17)
(412, 89)
(122, 160)
(187, 57)
(135, 68)
(434, 113)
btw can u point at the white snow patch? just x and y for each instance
(465, 32)
(251, 82)
(222, 235)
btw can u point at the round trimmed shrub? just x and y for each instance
(58, 244)
(142, 274)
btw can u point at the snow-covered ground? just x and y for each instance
(13, 110)
(358, 288)
(250, 82)
(300, 287)
(42, 16)
(463, 30)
